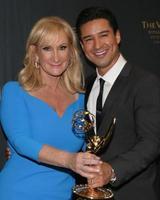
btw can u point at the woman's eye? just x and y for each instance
(46, 48)
(63, 47)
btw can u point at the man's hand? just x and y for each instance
(104, 176)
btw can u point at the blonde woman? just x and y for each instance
(36, 115)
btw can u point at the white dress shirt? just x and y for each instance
(109, 78)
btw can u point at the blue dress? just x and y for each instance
(28, 123)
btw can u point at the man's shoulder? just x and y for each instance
(141, 75)
(142, 72)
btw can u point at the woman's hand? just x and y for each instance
(85, 164)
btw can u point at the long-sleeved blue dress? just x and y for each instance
(29, 123)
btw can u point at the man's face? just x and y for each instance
(100, 44)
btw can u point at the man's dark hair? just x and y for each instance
(91, 13)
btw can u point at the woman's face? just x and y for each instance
(54, 56)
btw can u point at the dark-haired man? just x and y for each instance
(130, 94)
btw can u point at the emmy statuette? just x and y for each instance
(83, 121)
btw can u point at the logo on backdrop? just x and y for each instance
(152, 28)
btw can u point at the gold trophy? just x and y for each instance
(83, 122)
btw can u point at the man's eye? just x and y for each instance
(104, 35)
(87, 40)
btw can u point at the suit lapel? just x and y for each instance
(114, 98)
(89, 84)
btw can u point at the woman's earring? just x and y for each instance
(36, 64)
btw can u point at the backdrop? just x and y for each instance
(139, 22)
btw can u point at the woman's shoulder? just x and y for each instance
(11, 87)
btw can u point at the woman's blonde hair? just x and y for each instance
(30, 77)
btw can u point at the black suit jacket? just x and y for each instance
(134, 100)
